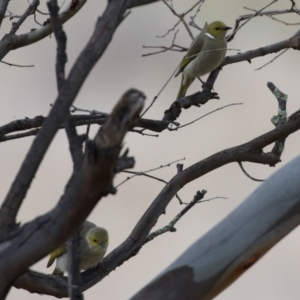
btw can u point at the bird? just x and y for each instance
(205, 54)
(93, 244)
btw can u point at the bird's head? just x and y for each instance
(217, 30)
(97, 238)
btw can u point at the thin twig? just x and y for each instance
(173, 47)
(35, 19)
(29, 11)
(192, 18)
(14, 65)
(237, 27)
(179, 127)
(155, 98)
(274, 12)
(181, 16)
(90, 111)
(249, 176)
(269, 62)
(170, 227)
(141, 132)
(148, 171)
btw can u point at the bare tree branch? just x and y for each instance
(95, 48)
(293, 42)
(238, 27)
(251, 151)
(29, 11)
(221, 256)
(12, 42)
(170, 227)
(249, 176)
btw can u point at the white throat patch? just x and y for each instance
(209, 35)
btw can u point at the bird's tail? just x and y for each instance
(185, 83)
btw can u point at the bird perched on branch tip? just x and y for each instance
(205, 54)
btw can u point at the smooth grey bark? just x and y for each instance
(229, 249)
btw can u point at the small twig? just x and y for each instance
(268, 13)
(282, 52)
(29, 11)
(148, 171)
(181, 16)
(170, 227)
(179, 127)
(249, 176)
(293, 4)
(141, 132)
(14, 65)
(146, 175)
(90, 111)
(155, 98)
(237, 27)
(173, 47)
(172, 29)
(192, 18)
(207, 200)
(277, 12)
(35, 19)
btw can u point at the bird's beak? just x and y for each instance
(103, 244)
(227, 28)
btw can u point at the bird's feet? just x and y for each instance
(205, 84)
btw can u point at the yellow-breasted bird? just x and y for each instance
(93, 244)
(205, 54)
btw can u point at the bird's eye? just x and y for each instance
(217, 28)
(95, 241)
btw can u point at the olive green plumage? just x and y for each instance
(205, 54)
(93, 243)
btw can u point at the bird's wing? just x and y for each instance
(194, 49)
(57, 253)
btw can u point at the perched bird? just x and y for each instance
(93, 243)
(205, 54)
